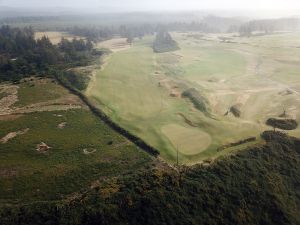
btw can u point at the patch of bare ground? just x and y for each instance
(171, 86)
(62, 104)
(9, 100)
(10, 117)
(88, 152)
(116, 146)
(42, 148)
(12, 135)
(62, 125)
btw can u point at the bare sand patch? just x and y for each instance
(9, 100)
(62, 125)
(61, 104)
(42, 147)
(12, 135)
(88, 152)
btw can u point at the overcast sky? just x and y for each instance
(147, 5)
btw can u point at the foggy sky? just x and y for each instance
(147, 5)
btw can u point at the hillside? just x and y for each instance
(255, 186)
(81, 148)
(90, 130)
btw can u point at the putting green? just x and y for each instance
(188, 141)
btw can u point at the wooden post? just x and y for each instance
(177, 157)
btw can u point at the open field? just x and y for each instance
(52, 146)
(142, 91)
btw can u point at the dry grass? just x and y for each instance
(55, 37)
(115, 45)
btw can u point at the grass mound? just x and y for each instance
(199, 101)
(284, 124)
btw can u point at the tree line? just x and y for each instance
(21, 55)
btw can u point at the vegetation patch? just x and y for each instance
(247, 140)
(284, 124)
(236, 110)
(199, 101)
(256, 186)
(45, 175)
(164, 42)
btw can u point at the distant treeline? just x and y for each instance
(138, 26)
(210, 24)
(22, 56)
(270, 25)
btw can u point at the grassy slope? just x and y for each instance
(256, 186)
(132, 96)
(227, 74)
(27, 175)
(27, 93)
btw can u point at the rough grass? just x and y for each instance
(35, 91)
(27, 175)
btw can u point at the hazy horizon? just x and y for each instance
(166, 5)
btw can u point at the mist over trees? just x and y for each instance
(270, 26)
(138, 25)
(23, 56)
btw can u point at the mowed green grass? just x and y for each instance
(128, 90)
(27, 175)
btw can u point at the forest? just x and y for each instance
(22, 56)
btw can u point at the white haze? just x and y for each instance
(266, 8)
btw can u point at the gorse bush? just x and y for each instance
(255, 186)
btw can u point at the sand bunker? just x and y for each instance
(12, 135)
